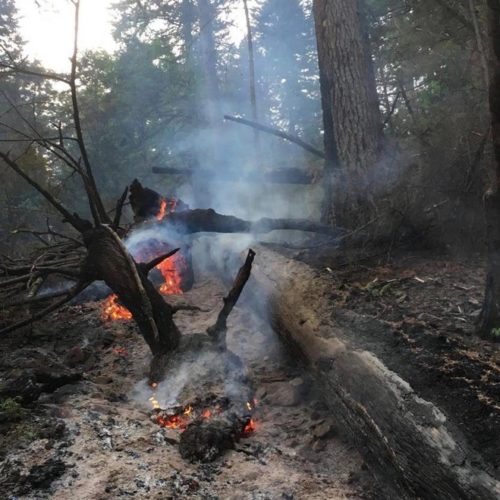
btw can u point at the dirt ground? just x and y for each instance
(82, 427)
(417, 312)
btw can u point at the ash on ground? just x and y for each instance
(82, 428)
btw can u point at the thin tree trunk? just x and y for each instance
(479, 41)
(251, 68)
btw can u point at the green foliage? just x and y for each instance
(495, 333)
(12, 409)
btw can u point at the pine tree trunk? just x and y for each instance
(490, 317)
(351, 116)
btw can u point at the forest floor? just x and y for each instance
(81, 425)
(417, 312)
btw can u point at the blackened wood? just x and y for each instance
(218, 330)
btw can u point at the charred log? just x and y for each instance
(218, 330)
(186, 221)
(204, 441)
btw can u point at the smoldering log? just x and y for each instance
(187, 221)
(204, 441)
(209, 221)
(277, 176)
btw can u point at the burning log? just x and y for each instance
(186, 221)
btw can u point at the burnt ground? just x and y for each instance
(417, 312)
(75, 417)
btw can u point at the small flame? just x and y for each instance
(166, 207)
(170, 269)
(250, 427)
(112, 310)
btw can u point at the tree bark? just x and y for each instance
(405, 438)
(490, 316)
(352, 130)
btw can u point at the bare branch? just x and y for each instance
(79, 287)
(277, 133)
(119, 207)
(218, 330)
(79, 224)
(147, 267)
(96, 205)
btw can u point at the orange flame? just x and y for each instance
(166, 207)
(114, 311)
(250, 427)
(170, 269)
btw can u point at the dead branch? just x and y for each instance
(147, 267)
(119, 208)
(95, 202)
(71, 294)
(218, 330)
(277, 133)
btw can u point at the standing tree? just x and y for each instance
(490, 317)
(352, 130)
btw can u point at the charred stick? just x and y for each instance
(148, 266)
(119, 207)
(218, 330)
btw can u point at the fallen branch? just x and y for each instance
(277, 133)
(71, 294)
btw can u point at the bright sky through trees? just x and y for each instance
(47, 27)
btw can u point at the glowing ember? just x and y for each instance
(250, 427)
(182, 418)
(121, 351)
(113, 311)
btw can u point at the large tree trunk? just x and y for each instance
(490, 318)
(352, 130)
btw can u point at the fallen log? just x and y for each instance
(145, 201)
(408, 441)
